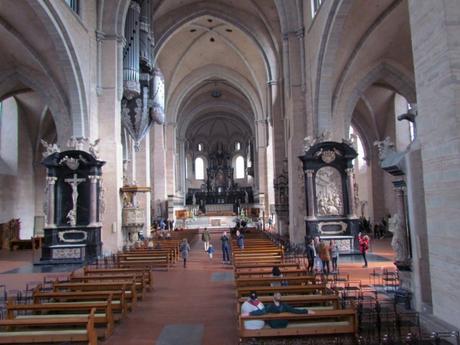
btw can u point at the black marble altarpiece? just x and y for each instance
(73, 204)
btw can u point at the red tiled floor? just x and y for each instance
(184, 295)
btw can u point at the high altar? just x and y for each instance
(220, 187)
(329, 191)
(74, 203)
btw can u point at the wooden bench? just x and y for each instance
(292, 289)
(248, 267)
(332, 301)
(128, 278)
(148, 279)
(324, 322)
(128, 287)
(264, 281)
(49, 330)
(143, 261)
(66, 310)
(169, 252)
(267, 272)
(120, 305)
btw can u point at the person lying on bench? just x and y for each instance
(251, 305)
(279, 307)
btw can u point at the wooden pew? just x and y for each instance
(147, 274)
(267, 281)
(49, 330)
(164, 251)
(292, 289)
(120, 305)
(138, 279)
(267, 272)
(298, 301)
(143, 261)
(66, 310)
(254, 266)
(324, 322)
(128, 287)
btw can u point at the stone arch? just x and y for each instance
(179, 94)
(69, 65)
(330, 42)
(47, 91)
(385, 71)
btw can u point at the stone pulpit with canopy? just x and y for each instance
(74, 203)
(329, 192)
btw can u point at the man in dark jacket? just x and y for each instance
(279, 307)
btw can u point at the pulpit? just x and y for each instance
(329, 193)
(73, 204)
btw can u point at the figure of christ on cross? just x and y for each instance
(74, 182)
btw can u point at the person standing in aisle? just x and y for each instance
(206, 238)
(225, 249)
(184, 250)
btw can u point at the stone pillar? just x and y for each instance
(170, 158)
(109, 117)
(310, 196)
(143, 180)
(401, 235)
(93, 200)
(350, 193)
(51, 183)
(181, 165)
(158, 169)
(435, 31)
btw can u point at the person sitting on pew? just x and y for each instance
(276, 272)
(249, 306)
(279, 307)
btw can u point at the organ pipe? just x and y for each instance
(131, 85)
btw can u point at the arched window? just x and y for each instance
(200, 147)
(239, 167)
(237, 146)
(199, 169)
(361, 162)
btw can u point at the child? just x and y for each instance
(210, 251)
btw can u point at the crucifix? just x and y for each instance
(74, 182)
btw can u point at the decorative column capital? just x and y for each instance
(349, 171)
(51, 180)
(300, 33)
(100, 36)
(309, 172)
(93, 178)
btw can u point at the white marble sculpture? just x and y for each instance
(385, 147)
(49, 148)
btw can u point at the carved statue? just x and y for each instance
(385, 147)
(49, 148)
(71, 216)
(352, 141)
(72, 142)
(326, 135)
(94, 148)
(308, 141)
(194, 199)
(246, 197)
(398, 240)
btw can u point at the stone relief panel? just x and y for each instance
(329, 196)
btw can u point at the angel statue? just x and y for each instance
(398, 242)
(50, 148)
(308, 142)
(94, 148)
(385, 147)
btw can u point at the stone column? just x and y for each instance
(142, 167)
(93, 200)
(350, 194)
(170, 158)
(310, 195)
(402, 246)
(158, 168)
(51, 183)
(435, 33)
(109, 117)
